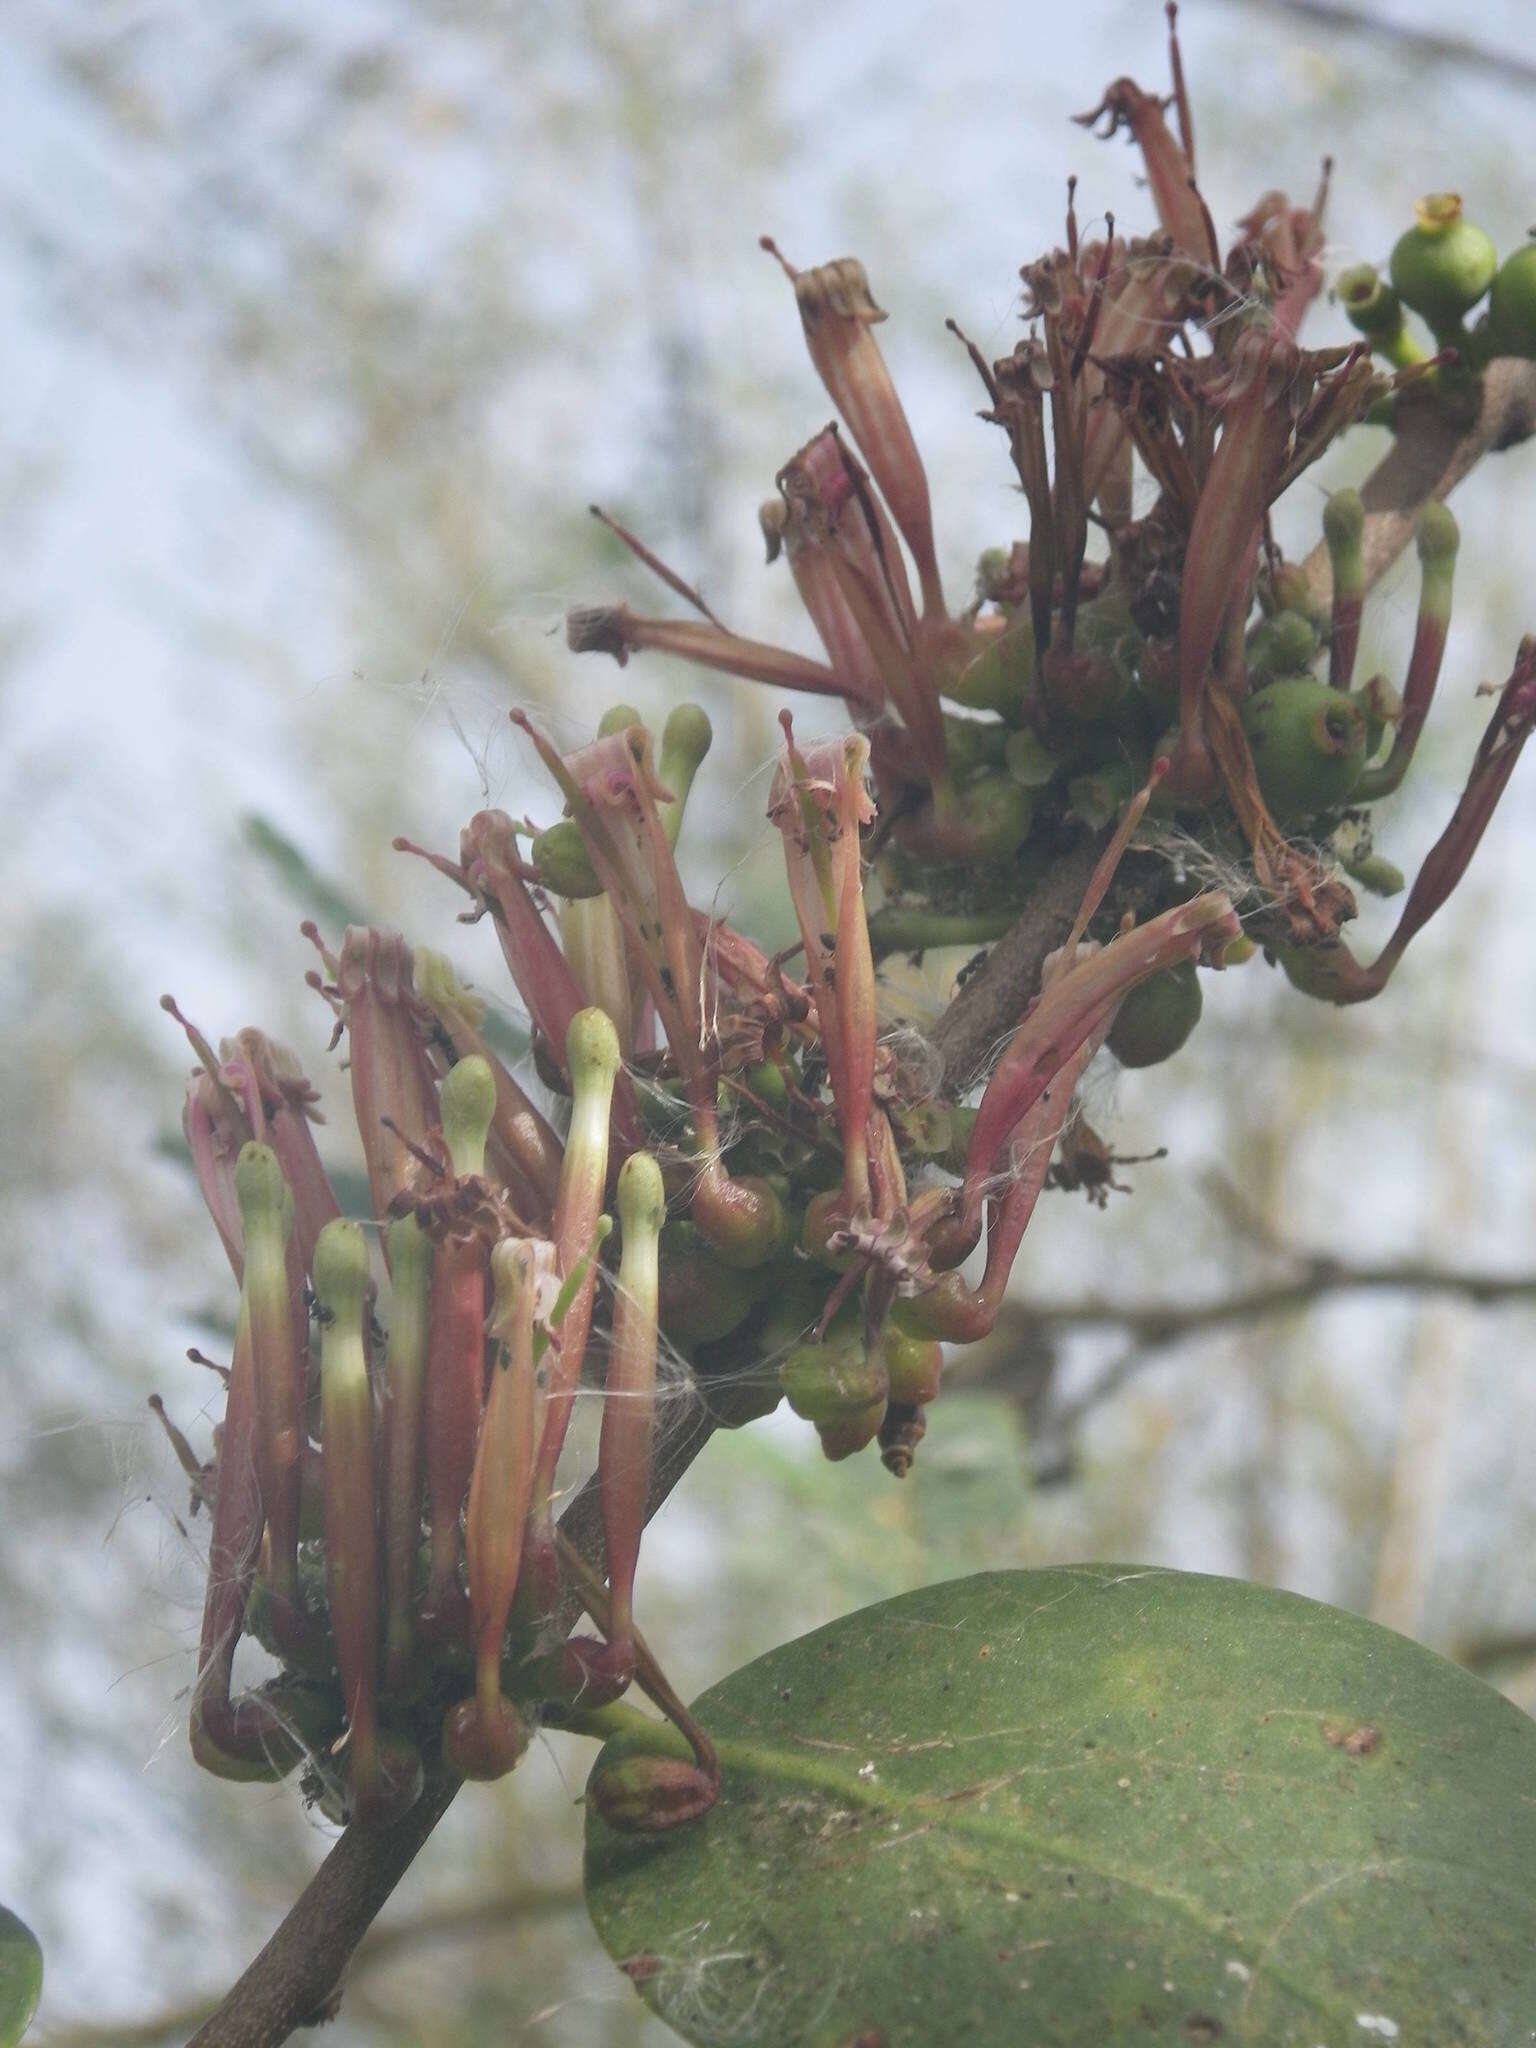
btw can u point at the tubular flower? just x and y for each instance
(796, 1187)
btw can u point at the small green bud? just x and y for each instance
(1281, 646)
(1375, 310)
(340, 1272)
(1029, 761)
(466, 1105)
(1372, 871)
(1442, 266)
(766, 1081)
(618, 718)
(1308, 743)
(564, 865)
(1099, 796)
(1157, 1017)
(1511, 329)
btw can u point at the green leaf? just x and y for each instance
(21, 1977)
(1093, 1805)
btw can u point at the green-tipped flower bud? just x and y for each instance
(1308, 744)
(999, 678)
(618, 718)
(1438, 539)
(1343, 530)
(1157, 1016)
(467, 1105)
(1442, 266)
(265, 1201)
(836, 1380)
(1375, 310)
(341, 1277)
(1281, 646)
(560, 855)
(1511, 329)
(1029, 761)
(341, 1282)
(641, 1197)
(685, 739)
(644, 1795)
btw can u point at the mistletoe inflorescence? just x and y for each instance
(795, 1195)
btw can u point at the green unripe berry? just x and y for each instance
(998, 814)
(1511, 327)
(1281, 646)
(1157, 1016)
(1028, 760)
(913, 1364)
(1000, 675)
(1372, 306)
(1442, 266)
(564, 865)
(1098, 797)
(972, 744)
(834, 1381)
(1308, 744)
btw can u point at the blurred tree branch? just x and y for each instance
(1411, 37)
(383, 1945)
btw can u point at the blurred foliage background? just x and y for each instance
(320, 329)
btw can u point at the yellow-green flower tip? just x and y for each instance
(340, 1271)
(686, 737)
(642, 1197)
(592, 1054)
(442, 991)
(410, 1255)
(467, 1104)
(1343, 522)
(1439, 535)
(618, 718)
(261, 1191)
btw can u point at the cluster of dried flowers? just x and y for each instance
(794, 1201)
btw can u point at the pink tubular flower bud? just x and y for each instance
(393, 1098)
(486, 1734)
(342, 1289)
(819, 801)
(1170, 173)
(266, 1214)
(405, 1369)
(550, 992)
(838, 311)
(612, 792)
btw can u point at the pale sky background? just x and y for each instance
(318, 329)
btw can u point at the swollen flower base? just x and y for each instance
(794, 1201)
